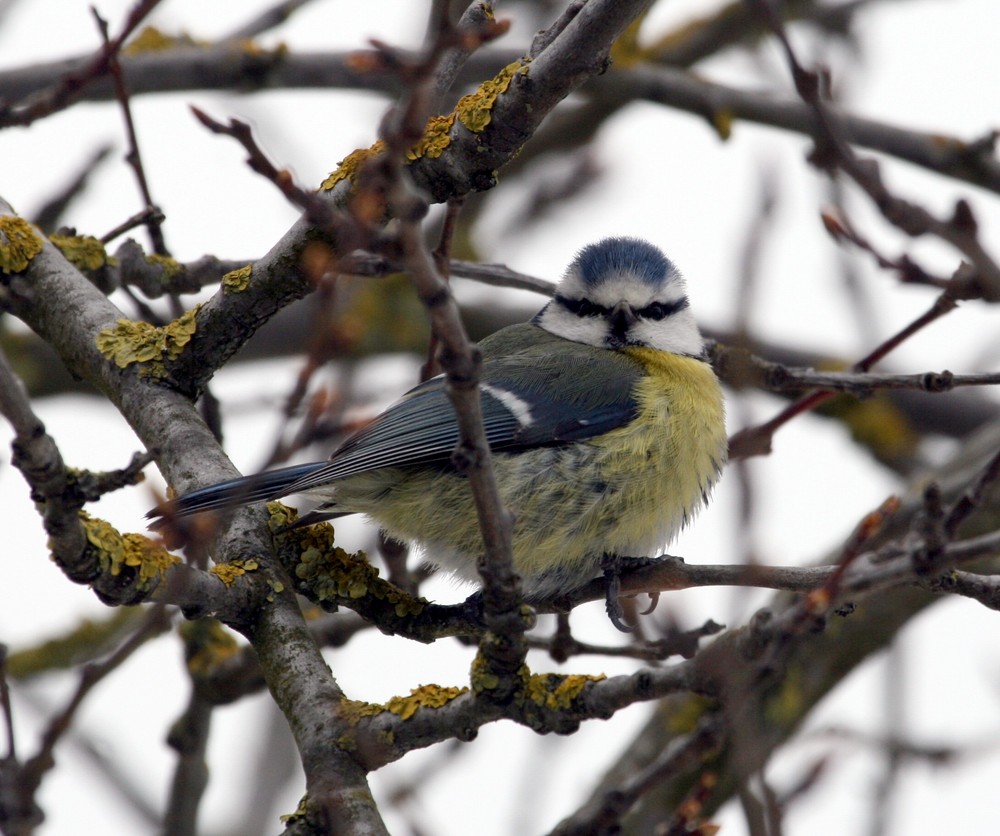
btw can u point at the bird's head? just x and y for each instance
(623, 292)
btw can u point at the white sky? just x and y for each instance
(930, 65)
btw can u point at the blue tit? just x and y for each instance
(605, 422)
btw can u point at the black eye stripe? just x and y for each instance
(655, 310)
(661, 310)
(582, 307)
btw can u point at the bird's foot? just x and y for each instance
(613, 566)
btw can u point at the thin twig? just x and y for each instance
(71, 88)
(777, 377)
(442, 263)
(149, 215)
(756, 441)
(833, 151)
(501, 586)
(972, 498)
(317, 211)
(154, 217)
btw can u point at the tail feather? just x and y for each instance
(263, 486)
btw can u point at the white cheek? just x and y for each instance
(581, 329)
(677, 333)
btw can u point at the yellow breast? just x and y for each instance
(626, 492)
(671, 455)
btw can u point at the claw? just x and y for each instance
(654, 599)
(611, 564)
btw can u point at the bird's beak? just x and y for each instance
(622, 318)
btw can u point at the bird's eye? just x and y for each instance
(582, 307)
(661, 310)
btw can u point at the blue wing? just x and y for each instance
(536, 390)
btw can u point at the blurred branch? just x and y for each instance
(189, 737)
(973, 160)
(29, 776)
(604, 813)
(68, 87)
(40, 462)
(980, 277)
(236, 66)
(81, 644)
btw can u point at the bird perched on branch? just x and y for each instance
(604, 419)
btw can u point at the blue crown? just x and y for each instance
(596, 263)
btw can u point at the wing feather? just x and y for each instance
(569, 394)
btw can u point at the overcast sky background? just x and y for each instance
(926, 65)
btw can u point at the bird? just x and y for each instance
(605, 422)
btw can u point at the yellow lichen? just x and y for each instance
(281, 516)
(116, 551)
(207, 644)
(301, 812)
(476, 109)
(236, 281)
(686, 716)
(625, 51)
(171, 266)
(426, 696)
(481, 677)
(277, 587)
(328, 571)
(786, 705)
(83, 251)
(437, 137)
(354, 710)
(348, 167)
(229, 572)
(88, 639)
(140, 342)
(557, 692)
(722, 121)
(19, 243)
(151, 39)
